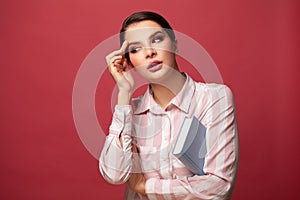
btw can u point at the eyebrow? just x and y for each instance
(151, 36)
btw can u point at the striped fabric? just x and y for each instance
(154, 131)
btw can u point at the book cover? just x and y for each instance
(190, 145)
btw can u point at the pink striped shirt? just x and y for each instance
(154, 131)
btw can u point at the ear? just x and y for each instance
(174, 47)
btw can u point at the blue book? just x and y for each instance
(190, 145)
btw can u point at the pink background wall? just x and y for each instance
(254, 43)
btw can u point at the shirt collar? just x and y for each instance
(182, 100)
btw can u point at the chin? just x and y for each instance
(159, 76)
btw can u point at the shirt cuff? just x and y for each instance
(150, 188)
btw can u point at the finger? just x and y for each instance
(124, 65)
(118, 62)
(110, 60)
(123, 47)
(119, 52)
(116, 67)
(119, 68)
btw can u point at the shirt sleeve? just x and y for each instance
(115, 159)
(220, 161)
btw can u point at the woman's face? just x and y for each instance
(151, 51)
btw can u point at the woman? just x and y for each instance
(138, 148)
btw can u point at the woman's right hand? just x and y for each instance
(120, 70)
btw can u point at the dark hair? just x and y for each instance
(142, 16)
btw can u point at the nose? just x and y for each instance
(150, 52)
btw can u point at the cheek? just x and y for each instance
(165, 46)
(136, 59)
(165, 54)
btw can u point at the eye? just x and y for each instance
(134, 49)
(158, 38)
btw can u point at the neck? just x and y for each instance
(165, 90)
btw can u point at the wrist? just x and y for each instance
(124, 97)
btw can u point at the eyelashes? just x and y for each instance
(156, 39)
(134, 49)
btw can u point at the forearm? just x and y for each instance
(196, 187)
(115, 160)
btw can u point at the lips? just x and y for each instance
(153, 64)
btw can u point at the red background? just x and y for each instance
(254, 43)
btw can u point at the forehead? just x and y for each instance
(141, 30)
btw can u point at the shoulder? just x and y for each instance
(214, 91)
